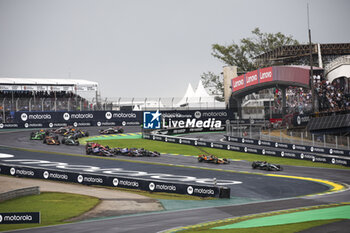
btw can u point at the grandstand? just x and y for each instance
(18, 94)
(288, 93)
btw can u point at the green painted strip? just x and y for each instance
(341, 212)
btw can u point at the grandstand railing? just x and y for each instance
(280, 134)
(9, 105)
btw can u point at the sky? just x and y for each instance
(147, 48)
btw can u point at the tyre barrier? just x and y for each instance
(115, 181)
(273, 151)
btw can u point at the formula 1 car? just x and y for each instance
(61, 130)
(212, 159)
(97, 149)
(112, 130)
(38, 135)
(51, 140)
(82, 133)
(149, 153)
(263, 165)
(77, 133)
(70, 140)
(135, 152)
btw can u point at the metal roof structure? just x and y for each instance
(46, 82)
(292, 53)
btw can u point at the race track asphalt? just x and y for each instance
(271, 193)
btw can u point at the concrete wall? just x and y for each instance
(19, 193)
(229, 73)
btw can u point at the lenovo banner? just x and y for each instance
(251, 78)
(238, 83)
(265, 75)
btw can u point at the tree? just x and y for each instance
(242, 55)
(214, 83)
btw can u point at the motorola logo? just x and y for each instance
(80, 178)
(151, 186)
(190, 190)
(66, 116)
(197, 114)
(108, 115)
(46, 174)
(115, 182)
(24, 117)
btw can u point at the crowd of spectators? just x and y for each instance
(37, 94)
(11, 101)
(330, 97)
(298, 100)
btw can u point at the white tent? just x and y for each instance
(201, 92)
(187, 97)
(198, 98)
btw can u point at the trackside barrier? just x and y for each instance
(289, 146)
(114, 181)
(19, 193)
(49, 119)
(277, 152)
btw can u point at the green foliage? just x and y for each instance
(53, 207)
(214, 83)
(242, 55)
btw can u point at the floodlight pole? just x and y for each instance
(311, 64)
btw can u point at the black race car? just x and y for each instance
(212, 159)
(135, 152)
(70, 140)
(112, 130)
(263, 165)
(98, 149)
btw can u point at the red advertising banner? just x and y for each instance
(251, 78)
(265, 75)
(237, 83)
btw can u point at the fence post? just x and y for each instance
(30, 104)
(250, 128)
(324, 140)
(302, 138)
(42, 104)
(16, 105)
(313, 139)
(237, 131)
(280, 136)
(336, 141)
(348, 142)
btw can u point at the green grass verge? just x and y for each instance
(54, 208)
(173, 148)
(285, 228)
